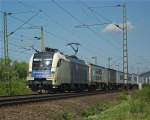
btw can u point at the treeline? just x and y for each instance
(15, 70)
(13, 78)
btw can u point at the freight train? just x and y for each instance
(53, 71)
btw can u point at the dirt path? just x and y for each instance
(53, 110)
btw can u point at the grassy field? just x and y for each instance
(135, 106)
(13, 87)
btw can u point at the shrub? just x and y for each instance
(15, 87)
(67, 116)
(143, 95)
(94, 109)
(137, 102)
(136, 106)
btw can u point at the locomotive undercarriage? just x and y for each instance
(45, 86)
(40, 84)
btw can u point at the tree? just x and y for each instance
(16, 70)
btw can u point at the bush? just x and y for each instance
(144, 94)
(94, 109)
(139, 99)
(14, 87)
(67, 116)
(123, 96)
(135, 106)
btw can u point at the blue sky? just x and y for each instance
(59, 29)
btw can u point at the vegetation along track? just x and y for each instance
(5, 101)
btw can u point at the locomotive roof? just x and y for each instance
(75, 59)
(96, 65)
(43, 54)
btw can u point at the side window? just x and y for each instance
(59, 63)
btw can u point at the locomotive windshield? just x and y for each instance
(42, 61)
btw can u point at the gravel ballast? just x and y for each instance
(53, 110)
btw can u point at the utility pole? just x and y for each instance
(6, 56)
(125, 42)
(42, 39)
(125, 45)
(5, 39)
(109, 59)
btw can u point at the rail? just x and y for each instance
(5, 101)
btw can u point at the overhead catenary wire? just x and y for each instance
(19, 52)
(105, 6)
(20, 47)
(102, 16)
(76, 19)
(52, 20)
(71, 16)
(18, 28)
(95, 13)
(92, 8)
(21, 12)
(50, 33)
(55, 36)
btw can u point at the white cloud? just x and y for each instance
(113, 28)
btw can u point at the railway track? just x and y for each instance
(6, 101)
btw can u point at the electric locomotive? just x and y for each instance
(52, 70)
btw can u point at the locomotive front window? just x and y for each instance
(42, 61)
(42, 64)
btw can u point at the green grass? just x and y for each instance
(127, 107)
(14, 87)
(98, 108)
(67, 116)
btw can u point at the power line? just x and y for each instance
(106, 6)
(52, 34)
(16, 51)
(23, 12)
(70, 14)
(89, 25)
(16, 18)
(20, 47)
(75, 18)
(93, 11)
(95, 15)
(66, 11)
(52, 20)
(24, 23)
(102, 16)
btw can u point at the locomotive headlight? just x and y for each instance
(47, 62)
